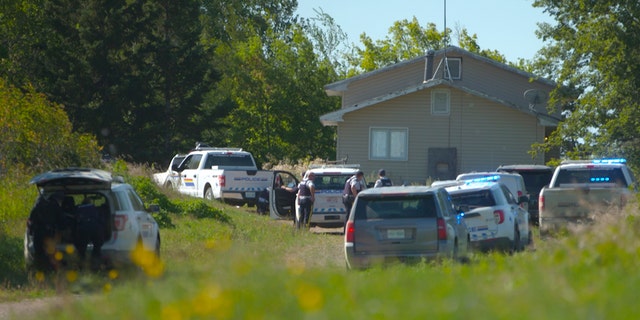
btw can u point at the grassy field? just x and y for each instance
(251, 267)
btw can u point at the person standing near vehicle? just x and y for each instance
(382, 181)
(352, 187)
(43, 222)
(90, 226)
(306, 197)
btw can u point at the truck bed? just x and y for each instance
(561, 205)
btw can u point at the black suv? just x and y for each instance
(535, 177)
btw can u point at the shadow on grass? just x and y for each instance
(12, 272)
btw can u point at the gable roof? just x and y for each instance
(338, 88)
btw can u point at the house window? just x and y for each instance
(388, 143)
(440, 102)
(455, 68)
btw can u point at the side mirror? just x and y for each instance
(153, 208)
(462, 208)
(176, 167)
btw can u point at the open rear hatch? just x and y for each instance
(73, 179)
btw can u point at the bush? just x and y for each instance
(151, 194)
(201, 208)
(38, 134)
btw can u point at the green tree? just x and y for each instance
(470, 43)
(273, 69)
(37, 136)
(275, 83)
(594, 54)
(407, 40)
(329, 41)
(129, 72)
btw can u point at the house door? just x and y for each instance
(442, 163)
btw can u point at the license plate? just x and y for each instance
(395, 234)
(249, 194)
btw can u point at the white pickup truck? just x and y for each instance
(580, 189)
(226, 174)
(170, 178)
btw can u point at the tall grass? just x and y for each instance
(256, 268)
(248, 266)
(16, 197)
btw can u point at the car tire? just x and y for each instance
(208, 193)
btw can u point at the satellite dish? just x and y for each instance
(535, 97)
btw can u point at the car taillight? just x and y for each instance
(222, 181)
(442, 229)
(540, 203)
(499, 216)
(349, 231)
(120, 221)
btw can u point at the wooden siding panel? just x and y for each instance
(486, 135)
(500, 83)
(384, 83)
(490, 134)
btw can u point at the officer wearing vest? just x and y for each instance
(382, 181)
(352, 187)
(306, 197)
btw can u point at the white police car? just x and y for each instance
(495, 220)
(125, 225)
(328, 208)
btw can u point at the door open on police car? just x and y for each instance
(282, 195)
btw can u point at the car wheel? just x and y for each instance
(516, 239)
(208, 193)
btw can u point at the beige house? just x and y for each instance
(422, 123)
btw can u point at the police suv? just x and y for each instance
(495, 220)
(328, 210)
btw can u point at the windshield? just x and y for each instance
(480, 198)
(330, 182)
(229, 160)
(534, 181)
(587, 175)
(396, 207)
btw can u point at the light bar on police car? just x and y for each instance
(493, 178)
(618, 160)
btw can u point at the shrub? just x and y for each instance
(151, 194)
(201, 208)
(38, 134)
